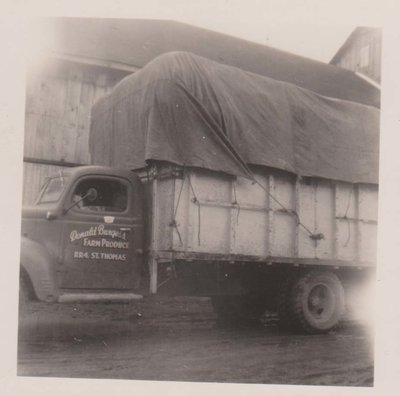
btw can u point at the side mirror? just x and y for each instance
(91, 194)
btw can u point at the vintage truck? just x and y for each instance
(211, 181)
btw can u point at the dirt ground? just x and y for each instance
(179, 339)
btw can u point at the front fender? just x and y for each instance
(39, 265)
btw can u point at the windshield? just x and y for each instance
(52, 189)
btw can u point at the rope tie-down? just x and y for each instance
(315, 236)
(195, 200)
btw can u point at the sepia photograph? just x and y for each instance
(199, 200)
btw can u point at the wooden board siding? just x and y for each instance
(212, 213)
(351, 57)
(59, 98)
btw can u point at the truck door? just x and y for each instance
(102, 233)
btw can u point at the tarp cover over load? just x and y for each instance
(194, 112)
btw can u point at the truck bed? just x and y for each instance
(195, 214)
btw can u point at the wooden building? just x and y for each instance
(59, 98)
(361, 53)
(84, 58)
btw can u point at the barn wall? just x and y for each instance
(363, 55)
(59, 98)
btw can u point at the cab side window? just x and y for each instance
(101, 195)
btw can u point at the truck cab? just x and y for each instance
(82, 240)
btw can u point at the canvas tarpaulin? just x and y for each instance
(194, 112)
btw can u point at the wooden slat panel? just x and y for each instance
(181, 207)
(83, 123)
(230, 223)
(284, 224)
(352, 57)
(74, 87)
(31, 121)
(346, 209)
(58, 106)
(325, 219)
(368, 201)
(307, 215)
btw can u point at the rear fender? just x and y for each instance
(40, 268)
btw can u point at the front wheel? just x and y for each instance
(316, 302)
(26, 293)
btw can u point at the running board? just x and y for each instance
(98, 297)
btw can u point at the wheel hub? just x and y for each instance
(320, 300)
(314, 301)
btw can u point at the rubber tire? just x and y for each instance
(302, 316)
(23, 293)
(26, 292)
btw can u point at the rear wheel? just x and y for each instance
(316, 302)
